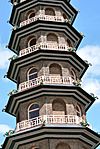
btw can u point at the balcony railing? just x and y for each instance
(45, 80)
(44, 18)
(48, 119)
(44, 46)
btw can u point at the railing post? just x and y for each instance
(45, 119)
(77, 119)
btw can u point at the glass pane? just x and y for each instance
(32, 42)
(32, 76)
(34, 106)
(32, 70)
(32, 15)
(33, 114)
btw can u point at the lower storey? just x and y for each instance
(46, 137)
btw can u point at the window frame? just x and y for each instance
(33, 38)
(79, 111)
(28, 74)
(33, 110)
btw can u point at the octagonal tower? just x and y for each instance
(49, 104)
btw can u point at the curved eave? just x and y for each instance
(85, 135)
(48, 90)
(40, 25)
(20, 7)
(38, 55)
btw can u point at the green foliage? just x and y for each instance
(12, 92)
(87, 62)
(71, 49)
(84, 123)
(13, 57)
(77, 82)
(10, 132)
(95, 97)
(3, 110)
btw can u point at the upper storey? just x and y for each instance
(42, 33)
(39, 18)
(26, 12)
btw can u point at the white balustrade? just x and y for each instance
(44, 18)
(44, 46)
(29, 50)
(62, 119)
(29, 123)
(45, 80)
(51, 18)
(48, 119)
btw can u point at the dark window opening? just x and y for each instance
(33, 111)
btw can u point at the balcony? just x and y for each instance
(44, 46)
(45, 80)
(48, 119)
(44, 18)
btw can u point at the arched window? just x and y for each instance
(32, 73)
(31, 41)
(63, 146)
(69, 43)
(59, 107)
(78, 111)
(33, 111)
(49, 11)
(64, 16)
(51, 37)
(55, 69)
(73, 74)
(31, 14)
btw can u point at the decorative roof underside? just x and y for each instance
(43, 55)
(48, 90)
(46, 26)
(83, 134)
(22, 7)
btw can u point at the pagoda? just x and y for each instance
(49, 104)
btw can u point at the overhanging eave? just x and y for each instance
(46, 26)
(86, 135)
(38, 55)
(47, 90)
